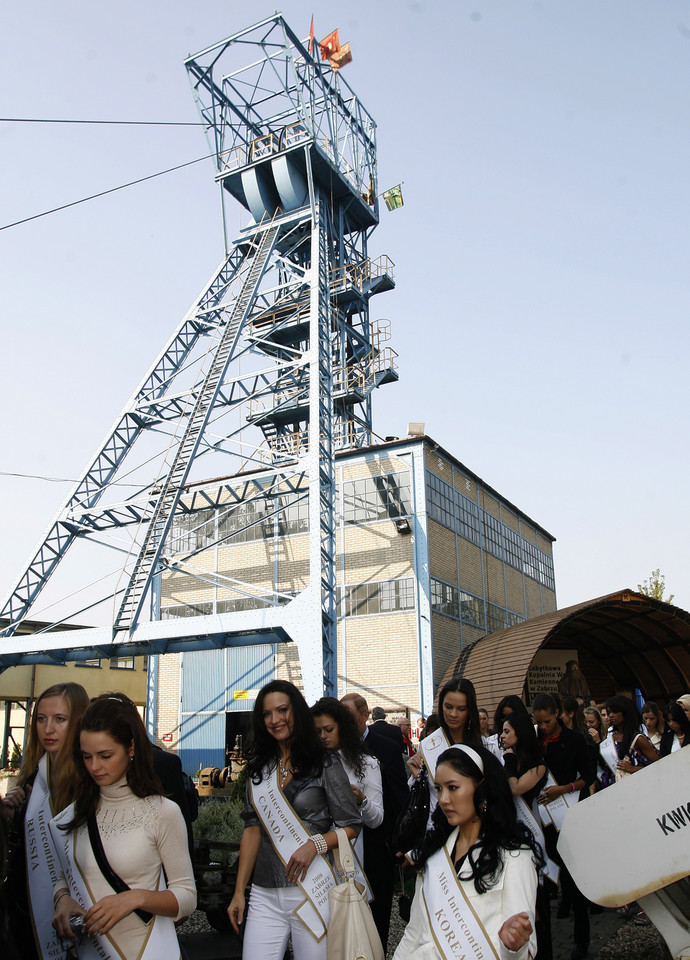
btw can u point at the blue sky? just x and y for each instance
(541, 257)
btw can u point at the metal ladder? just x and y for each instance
(172, 484)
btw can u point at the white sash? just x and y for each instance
(41, 864)
(431, 748)
(552, 813)
(457, 930)
(287, 834)
(608, 753)
(525, 815)
(160, 940)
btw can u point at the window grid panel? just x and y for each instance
(512, 545)
(467, 518)
(493, 535)
(383, 497)
(471, 609)
(440, 501)
(444, 599)
(386, 596)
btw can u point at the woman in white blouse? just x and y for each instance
(126, 870)
(335, 725)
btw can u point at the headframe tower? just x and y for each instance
(269, 373)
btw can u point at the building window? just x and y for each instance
(382, 497)
(192, 531)
(186, 610)
(493, 535)
(246, 521)
(530, 560)
(122, 663)
(495, 618)
(513, 618)
(444, 599)
(385, 596)
(467, 518)
(546, 575)
(471, 609)
(440, 500)
(512, 546)
(87, 663)
(293, 516)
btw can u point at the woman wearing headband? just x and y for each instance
(477, 889)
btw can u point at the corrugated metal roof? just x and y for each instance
(624, 640)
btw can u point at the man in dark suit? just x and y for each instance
(384, 729)
(168, 769)
(379, 864)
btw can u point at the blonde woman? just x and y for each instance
(46, 785)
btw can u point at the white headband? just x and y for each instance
(472, 754)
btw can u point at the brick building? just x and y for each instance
(429, 559)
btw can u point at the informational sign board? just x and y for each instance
(545, 670)
(640, 825)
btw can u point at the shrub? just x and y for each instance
(219, 819)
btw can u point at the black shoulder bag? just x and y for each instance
(411, 826)
(116, 882)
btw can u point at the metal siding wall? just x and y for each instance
(203, 681)
(248, 668)
(202, 741)
(209, 679)
(202, 722)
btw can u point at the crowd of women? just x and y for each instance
(99, 856)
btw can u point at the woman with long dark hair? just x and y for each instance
(337, 731)
(479, 867)
(572, 714)
(507, 705)
(677, 734)
(525, 768)
(46, 785)
(297, 794)
(523, 757)
(626, 750)
(458, 713)
(121, 844)
(459, 723)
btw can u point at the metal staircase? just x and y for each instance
(171, 486)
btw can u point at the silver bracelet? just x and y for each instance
(319, 842)
(65, 893)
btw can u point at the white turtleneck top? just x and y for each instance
(139, 835)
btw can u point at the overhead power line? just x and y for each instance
(103, 193)
(33, 476)
(111, 123)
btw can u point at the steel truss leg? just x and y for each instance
(200, 319)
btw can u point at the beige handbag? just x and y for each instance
(352, 933)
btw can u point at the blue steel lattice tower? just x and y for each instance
(269, 373)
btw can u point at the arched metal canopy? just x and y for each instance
(624, 640)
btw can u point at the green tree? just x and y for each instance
(655, 586)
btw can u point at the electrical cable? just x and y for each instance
(104, 193)
(33, 476)
(111, 123)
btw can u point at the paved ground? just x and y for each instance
(623, 940)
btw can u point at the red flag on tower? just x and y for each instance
(311, 35)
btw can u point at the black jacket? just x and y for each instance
(568, 759)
